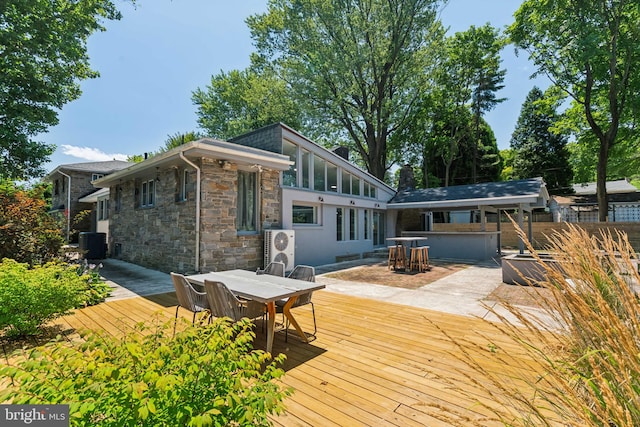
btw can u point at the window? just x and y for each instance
(346, 183)
(148, 193)
(353, 224)
(318, 174)
(96, 176)
(367, 224)
(184, 180)
(247, 201)
(367, 190)
(56, 187)
(332, 178)
(355, 186)
(289, 177)
(306, 169)
(346, 224)
(378, 228)
(103, 209)
(305, 214)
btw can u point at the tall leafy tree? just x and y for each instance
(486, 43)
(464, 83)
(43, 56)
(538, 150)
(590, 49)
(358, 64)
(236, 102)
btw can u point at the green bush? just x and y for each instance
(95, 291)
(30, 297)
(205, 375)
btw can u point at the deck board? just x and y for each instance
(372, 363)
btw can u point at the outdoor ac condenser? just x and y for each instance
(279, 245)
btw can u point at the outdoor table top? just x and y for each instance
(402, 240)
(263, 288)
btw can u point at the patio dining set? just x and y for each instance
(236, 294)
(405, 255)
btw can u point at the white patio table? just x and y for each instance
(263, 288)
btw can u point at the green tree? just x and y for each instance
(241, 101)
(486, 43)
(507, 156)
(178, 139)
(43, 56)
(591, 50)
(464, 85)
(358, 64)
(538, 151)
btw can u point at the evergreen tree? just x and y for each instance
(538, 151)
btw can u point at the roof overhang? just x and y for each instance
(93, 197)
(526, 202)
(203, 148)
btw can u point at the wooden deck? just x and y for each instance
(372, 364)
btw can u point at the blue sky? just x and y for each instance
(161, 51)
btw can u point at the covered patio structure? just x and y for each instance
(413, 213)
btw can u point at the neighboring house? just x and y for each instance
(206, 204)
(71, 184)
(582, 206)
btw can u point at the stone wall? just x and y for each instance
(163, 237)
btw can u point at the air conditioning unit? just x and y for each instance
(279, 245)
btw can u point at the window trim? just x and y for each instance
(148, 194)
(184, 179)
(256, 203)
(316, 214)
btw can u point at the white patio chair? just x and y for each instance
(188, 298)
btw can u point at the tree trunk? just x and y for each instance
(601, 180)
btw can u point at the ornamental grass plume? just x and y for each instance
(585, 340)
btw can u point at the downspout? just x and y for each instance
(198, 196)
(68, 205)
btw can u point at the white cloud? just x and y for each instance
(91, 154)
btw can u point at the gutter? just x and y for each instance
(68, 205)
(198, 196)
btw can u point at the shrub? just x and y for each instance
(586, 343)
(28, 233)
(95, 290)
(205, 375)
(30, 297)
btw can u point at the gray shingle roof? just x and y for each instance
(490, 190)
(613, 187)
(97, 167)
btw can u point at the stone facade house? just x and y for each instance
(72, 183)
(197, 207)
(207, 204)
